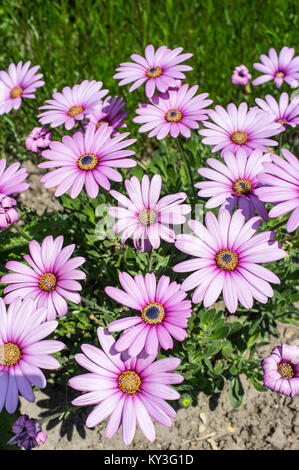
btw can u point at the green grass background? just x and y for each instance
(77, 40)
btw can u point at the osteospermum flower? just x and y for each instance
(128, 390)
(280, 186)
(174, 114)
(19, 82)
(226, 256)
(27, 433)
(278, 68)
(282, 112)
(87, 159)
(11, 178)
(236, 128)
(110, 111)
(22, 353)
(38, 139)
(8, 215)
(50, 279)
(143, 216)
(72, 104)
(158, 69)
(241, 75)
(281, 370)
(235, 182)
(163, 313)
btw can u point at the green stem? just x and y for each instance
(150, 260)
(95, 306)
(21, 232)
(187, 166)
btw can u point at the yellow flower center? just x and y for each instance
(286, 370)
(75, 110)
(147, 217)
(153, 313)
(16, 92)
(129, 382)
(174, 115)
(281, 121)
(153, 72)
(239, 137)
(242, 186)
(10, 354)
(100, 123)
(87, 162)
(47, 282)
(227, 260)
(279, 75)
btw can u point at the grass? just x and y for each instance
(75, 40)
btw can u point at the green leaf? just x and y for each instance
(236, 392)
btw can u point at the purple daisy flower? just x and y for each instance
(88, 159)
(51, 278)
(8, 215)
(281, 370)
(143, 216)
(278, 68)
(158, 69)
(11, 178)
(27, 433)
(280, 186)
(38, 139)
(110, 111)
(163, 313)
(72, 104)
(225, 259)
(22, 353)
(282, 112)
(128, 390)
(174, 113)
(19, 82)
(241, 75)
(239, 128)
(235, 182)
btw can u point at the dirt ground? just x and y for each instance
(266, 420)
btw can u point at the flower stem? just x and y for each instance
(93, 305)
(21, 232)
(187, 166)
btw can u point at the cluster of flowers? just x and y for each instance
(125, 380)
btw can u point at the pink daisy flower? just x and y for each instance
(174, 114)
(20, 82)
(38, 139)
(22, 353)
(11, 178)
(281, 370)
(225, 259)
(280, 186)
(8, 215)
(241, 75)
(235, 182)
(163, 313)
(88, 159)
(128, 390)
(282, 112)
(158, 69)
(72, 104)
(50, 279)
(278, 68)
(110, 111)
(236, 128)
(143, 216)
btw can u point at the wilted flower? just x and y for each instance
(8, 214)
(28, 433)
(129, 390)
(278, 68)
(22, 353)
(241, 75)
(158, 69)
(281, 370)
(163, 313)
(20, 82)
(38, 139)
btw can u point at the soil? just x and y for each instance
(265, 420)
